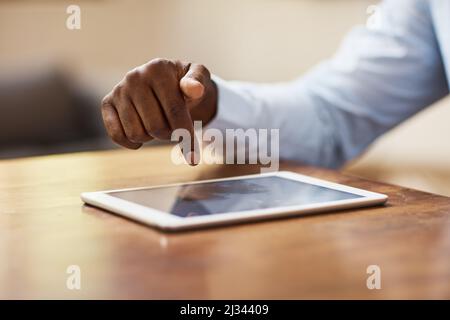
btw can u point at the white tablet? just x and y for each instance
(231, 200)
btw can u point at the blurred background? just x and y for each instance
(52, 78)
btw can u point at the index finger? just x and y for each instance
(177, 113)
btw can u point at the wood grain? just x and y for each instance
(44, 228)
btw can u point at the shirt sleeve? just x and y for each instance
(381, 75)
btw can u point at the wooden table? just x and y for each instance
(44, 228)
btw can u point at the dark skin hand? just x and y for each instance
(157, 98)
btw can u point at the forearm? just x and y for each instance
(377, 79)
(306, 129)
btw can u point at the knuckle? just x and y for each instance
(116, 137)
(133, 77)
(160, 133)
(105, 107)
(159, 65)
(107, 110)
(157, 60)
(118, 91)
(136, 136)
(203, 71)
(134, 147)
(106, 101)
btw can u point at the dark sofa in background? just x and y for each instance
(44, 112)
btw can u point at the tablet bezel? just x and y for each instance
(167, 221)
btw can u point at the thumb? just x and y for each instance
(193, 83)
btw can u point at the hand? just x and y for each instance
(155, 99)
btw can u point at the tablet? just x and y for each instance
(231, 200)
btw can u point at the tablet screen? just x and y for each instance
(232, 196)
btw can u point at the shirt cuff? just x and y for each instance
(232, 107)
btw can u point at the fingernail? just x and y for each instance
(192, 158)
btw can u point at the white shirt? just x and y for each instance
(380, 76)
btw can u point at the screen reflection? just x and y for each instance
(232, 195)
